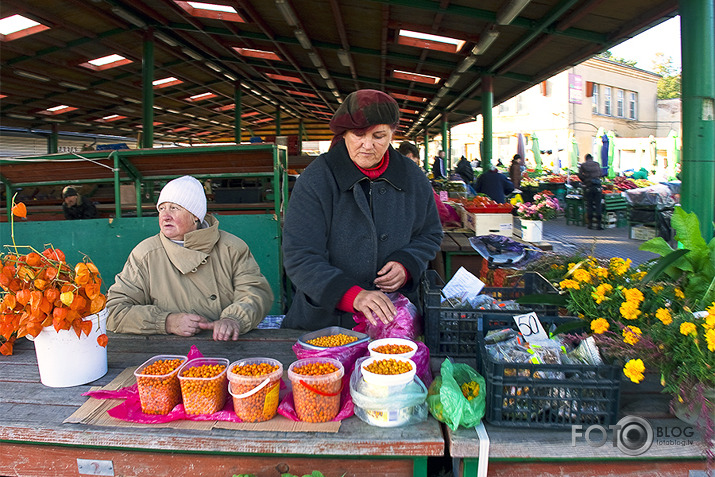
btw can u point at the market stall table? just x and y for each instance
(35, 441)
(524, 451)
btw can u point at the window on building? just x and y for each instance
(504, 108)
(607, 101)
(620, 103)
(632, 109)
(594, 99)
(519, 103)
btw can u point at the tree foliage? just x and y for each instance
(669, 84)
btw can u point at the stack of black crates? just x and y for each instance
(554, 396)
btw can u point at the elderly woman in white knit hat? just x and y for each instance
(190, 277)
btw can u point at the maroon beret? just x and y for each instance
(364, 108)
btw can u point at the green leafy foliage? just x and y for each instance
(696, 268)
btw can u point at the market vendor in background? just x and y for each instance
(189, 277)
(515, 171)
(75, 206)
(361, 221)
(590, 173)
(494, 184)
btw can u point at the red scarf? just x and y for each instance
(377, 171)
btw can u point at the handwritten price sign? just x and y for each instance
(530, 327)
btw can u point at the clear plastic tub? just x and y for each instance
(204, 395)
(316, 397)
(255, 396)
(392, 341)
(159, 393)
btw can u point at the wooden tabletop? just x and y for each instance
(33, 413)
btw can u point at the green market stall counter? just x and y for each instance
(35, 441)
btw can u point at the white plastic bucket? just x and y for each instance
(66, 360)
(531, 230)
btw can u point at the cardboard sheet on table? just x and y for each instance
(94, 412)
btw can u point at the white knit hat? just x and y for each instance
(187, 192)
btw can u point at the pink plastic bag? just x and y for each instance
(407, 324)
(447, 215)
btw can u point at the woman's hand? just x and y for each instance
(225, 329)
(368, 302)
(184, 324)
(391, 277)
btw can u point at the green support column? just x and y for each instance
(487, 105)
(446, 147)
(278, 121)
(697, 31)
(237, 113)
(53, 140)
(426, 164)
(148, 91)
(301, 131)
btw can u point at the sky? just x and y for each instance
(663, 38)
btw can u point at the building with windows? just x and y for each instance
(566, 111)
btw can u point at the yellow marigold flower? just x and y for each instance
(663, 314)
(582, 275)
(634, 370)
(711, 309)
(598, 297)
(657, 289)
(633, 295)
(679, 293)
(600, 272)
(619, 266)
(629, 310)
(568, 283)
(599, 325)
(688, 328)
(710, 338)
(631, 335)
(709, 322)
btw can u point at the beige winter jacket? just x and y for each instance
(213, 275)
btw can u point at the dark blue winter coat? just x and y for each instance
(341, 228)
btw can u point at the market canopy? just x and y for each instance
(291, 60)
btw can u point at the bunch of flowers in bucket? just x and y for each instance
(42, 290)
(545, 206)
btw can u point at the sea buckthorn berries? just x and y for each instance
(316, 400)
(332, 341)
(262, 404)
(204, 388)
(392, 349)
(389, 366)
(158, 385)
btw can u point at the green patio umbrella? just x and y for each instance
(611, 148)
(673, 154)
(573, 154)
(537, 152)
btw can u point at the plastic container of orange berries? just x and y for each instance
(332, 336)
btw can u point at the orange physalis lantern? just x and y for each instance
(102, 340)
(19, 210)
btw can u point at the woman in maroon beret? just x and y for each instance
(361, 222)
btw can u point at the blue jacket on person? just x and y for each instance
(342, 227)
(495, 185)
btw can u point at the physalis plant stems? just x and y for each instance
(41, 290)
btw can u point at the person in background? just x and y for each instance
(465, 171)
(438, 167)
(189, 277)
(75, 206)
(494, 184)
(515, 171)
(590, 174)
(361, 222)
(410, 151)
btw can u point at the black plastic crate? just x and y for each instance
(554, 396)
(453, 332)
